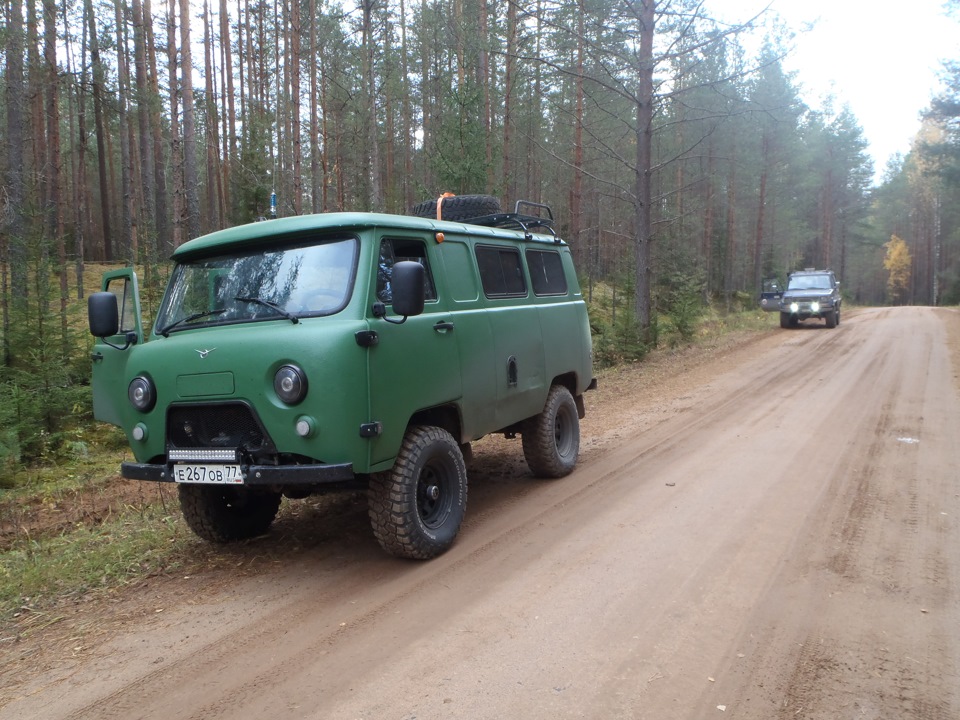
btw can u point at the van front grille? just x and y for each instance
(228, 425)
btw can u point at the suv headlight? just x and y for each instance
(814, 306)
(794, 307)
(290, 384)
(142, 394)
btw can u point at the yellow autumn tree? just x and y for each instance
(898, 263)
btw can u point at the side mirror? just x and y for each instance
(103, 314)
(408, 288)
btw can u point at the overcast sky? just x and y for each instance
(882, 58)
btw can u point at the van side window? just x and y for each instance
(501, 272)
(546, 272)
(393, 250)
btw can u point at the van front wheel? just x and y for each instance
(223, 514)
(417, 506)
(551, 440)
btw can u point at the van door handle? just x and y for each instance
(443, 326)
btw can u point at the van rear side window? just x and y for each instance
(501, 271)
(546, 272)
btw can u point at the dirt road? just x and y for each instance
(773, 532)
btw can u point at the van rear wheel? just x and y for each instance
(417, 506)
(223, 514)
(551, 440)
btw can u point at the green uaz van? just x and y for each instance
(341, 351)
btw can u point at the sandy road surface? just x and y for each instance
(775, 534)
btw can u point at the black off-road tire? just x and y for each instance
(785, 321)
(459, 207)
(831, 319)
(416, 508)
(222, 514)
(551, 440)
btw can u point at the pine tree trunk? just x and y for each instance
(369, 54)
(160, 204)
(145, 141)
(706, 245)
(101, 133)
(315, 150)
(76, 109)
(576, 207)
(230, 144)
(176, 143)
(14, 235)
(643, 194)
(509, 186)
(295, 30)
(190, 180)
(128, 237)
(54, 213)
(211, 141)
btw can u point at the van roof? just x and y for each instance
(285, 228)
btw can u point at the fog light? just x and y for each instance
(139, 432)
(815, 306)
(306, 426)
(794, 307)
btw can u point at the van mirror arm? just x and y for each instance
(380, 311)
(130, 337)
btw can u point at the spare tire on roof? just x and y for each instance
(459, 207)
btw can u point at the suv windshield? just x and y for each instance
(810, 282)
(284, 283)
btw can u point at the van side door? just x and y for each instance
(109, 360)
(415, 365)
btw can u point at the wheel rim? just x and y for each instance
(562, 432)
(434, 495)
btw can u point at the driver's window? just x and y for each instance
(120, 287)
(394, 250)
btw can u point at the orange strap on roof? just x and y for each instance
(440, 203)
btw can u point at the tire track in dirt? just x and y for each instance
(884, 550)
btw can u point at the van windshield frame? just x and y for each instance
(286, 282)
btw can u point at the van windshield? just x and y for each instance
(278, 284)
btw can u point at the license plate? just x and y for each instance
(208, 474)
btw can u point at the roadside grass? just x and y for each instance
(91, 558)
(72, 529)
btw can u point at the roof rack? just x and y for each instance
(518, 220)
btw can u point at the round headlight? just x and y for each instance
(794, 307)
(815, 306)
(290, 384)
(142, 394)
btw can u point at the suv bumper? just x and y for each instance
(804, 310)
(253, 474)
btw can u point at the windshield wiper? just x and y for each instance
(190, 318)
(272, 305)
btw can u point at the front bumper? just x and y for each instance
(804, 310)
(252, 474)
